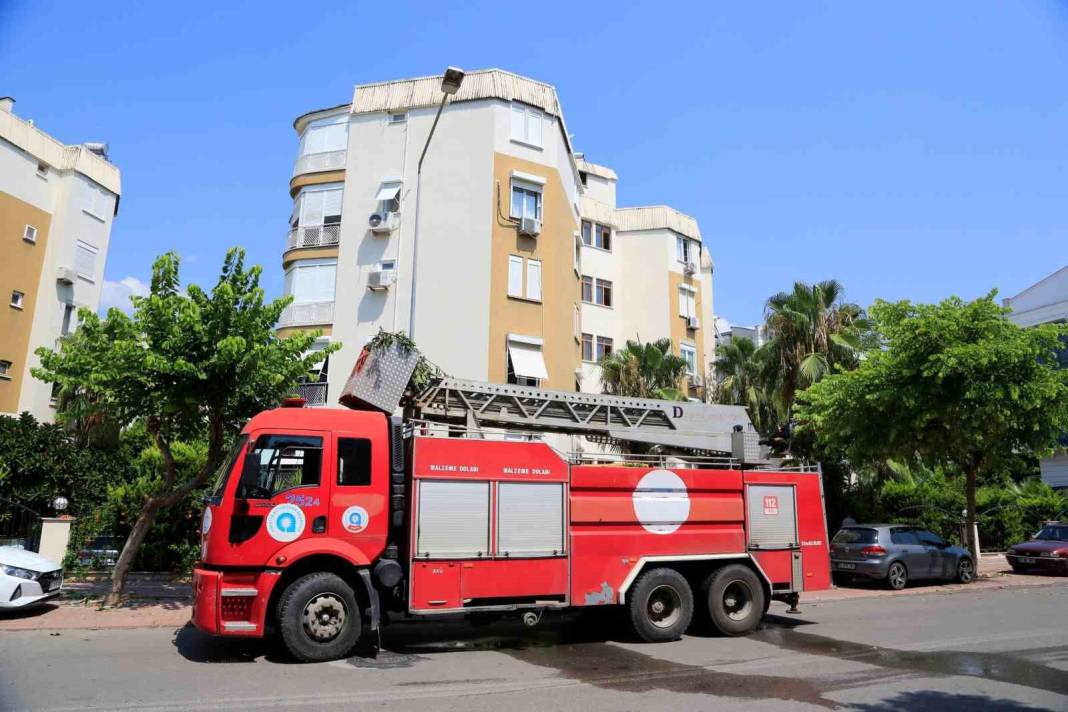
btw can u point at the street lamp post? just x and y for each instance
(450, 84)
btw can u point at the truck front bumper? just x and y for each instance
(232, 603)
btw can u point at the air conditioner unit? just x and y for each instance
(689, 268)
(381, 279)
(530, 227)
(66, 275)
(383, 222)
(692, 322)
(695, 380)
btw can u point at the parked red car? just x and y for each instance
(1048, 551)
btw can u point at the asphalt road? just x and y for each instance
(1003, 650)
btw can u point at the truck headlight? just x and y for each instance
(18, 573)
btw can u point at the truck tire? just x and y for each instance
(319, 618)
(735, 599)
(660, 605)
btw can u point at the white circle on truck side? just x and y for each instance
(205, 526)
(285, 522)
(661, 502)
(355, 519)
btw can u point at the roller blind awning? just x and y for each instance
(388, 191)
(527, 359)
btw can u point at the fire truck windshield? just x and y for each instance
(222, 474)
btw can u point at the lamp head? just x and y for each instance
(451, 80)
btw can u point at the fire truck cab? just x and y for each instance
(322, 522)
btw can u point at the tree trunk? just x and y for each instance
(969, 515)
(129, 551)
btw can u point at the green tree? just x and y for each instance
(739, 369)
(813, 331)
(954, 385)
(647, 370)
(188, 366)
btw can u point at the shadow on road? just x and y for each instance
(934, 701)
(31, 611)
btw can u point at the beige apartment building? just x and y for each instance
(513, 265)
(57, 204)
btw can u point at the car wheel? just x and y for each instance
(660, 605)
(965, 570)
(319, 618)
(897, 577)
(735, 599)
(1017, 569)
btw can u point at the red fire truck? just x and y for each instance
(324, 522)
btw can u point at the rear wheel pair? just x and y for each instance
(661, 604)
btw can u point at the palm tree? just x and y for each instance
(739, 373)
(812, 332)
(647, 370)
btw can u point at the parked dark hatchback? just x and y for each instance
(1048, 551)
(897, 553)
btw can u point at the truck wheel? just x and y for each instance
(735, 599)
(660, 605)
(319, 618)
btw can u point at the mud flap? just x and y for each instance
(372, 597)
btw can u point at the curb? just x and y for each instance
(830, 597)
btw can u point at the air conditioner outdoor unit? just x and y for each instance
(530, 227)
(695, 380)
(380, 279)
(66, 275)
(692, 322)
(383, 222)
(689, 268)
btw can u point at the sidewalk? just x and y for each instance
(156, 601)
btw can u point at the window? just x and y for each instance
(29, 233)
(526, 365)
(311, 281)
(388, 197)
(686, 250)
(526, 202)
(689, 355)
(353, 462)
(68, 318)
(318, 207)
(534, 280)
(526, 125)
(17, 298)
(516, 270)
(856, 535)
(5, 369)
(604, 347)
(928, 539)
(596, 235)
(398, 118)
(587, 347)
(603, 293)
(583, 177)
(587, 289)
(903, 537)
(85, 261)
(95, 201)
(42, 169)
(278, 463)
(324, 136)
(687, 301)
(387, 265)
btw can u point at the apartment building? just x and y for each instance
(506, 257)
(57, 204)
(1046, 302)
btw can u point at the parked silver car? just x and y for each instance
(896, 554)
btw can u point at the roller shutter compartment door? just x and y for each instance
(530, 519)
(772, 517)
(453, 520)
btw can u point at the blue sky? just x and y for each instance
(911, 150)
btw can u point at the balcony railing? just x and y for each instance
(312, 393)
(319, 162)
(313, 236)
(307, 314)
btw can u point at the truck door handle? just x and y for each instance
(319, 525)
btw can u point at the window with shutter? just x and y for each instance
(515, 276)
(526, 125)
(85, 261)
(534, 280)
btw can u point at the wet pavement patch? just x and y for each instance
(612, 667)
(384, 660)
(990, 666)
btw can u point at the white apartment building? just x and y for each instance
(57, 204)
(511, 247)
(1044, 303)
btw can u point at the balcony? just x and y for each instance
(307, 314)
(314, 394)
(319, 162)
(313, 236)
